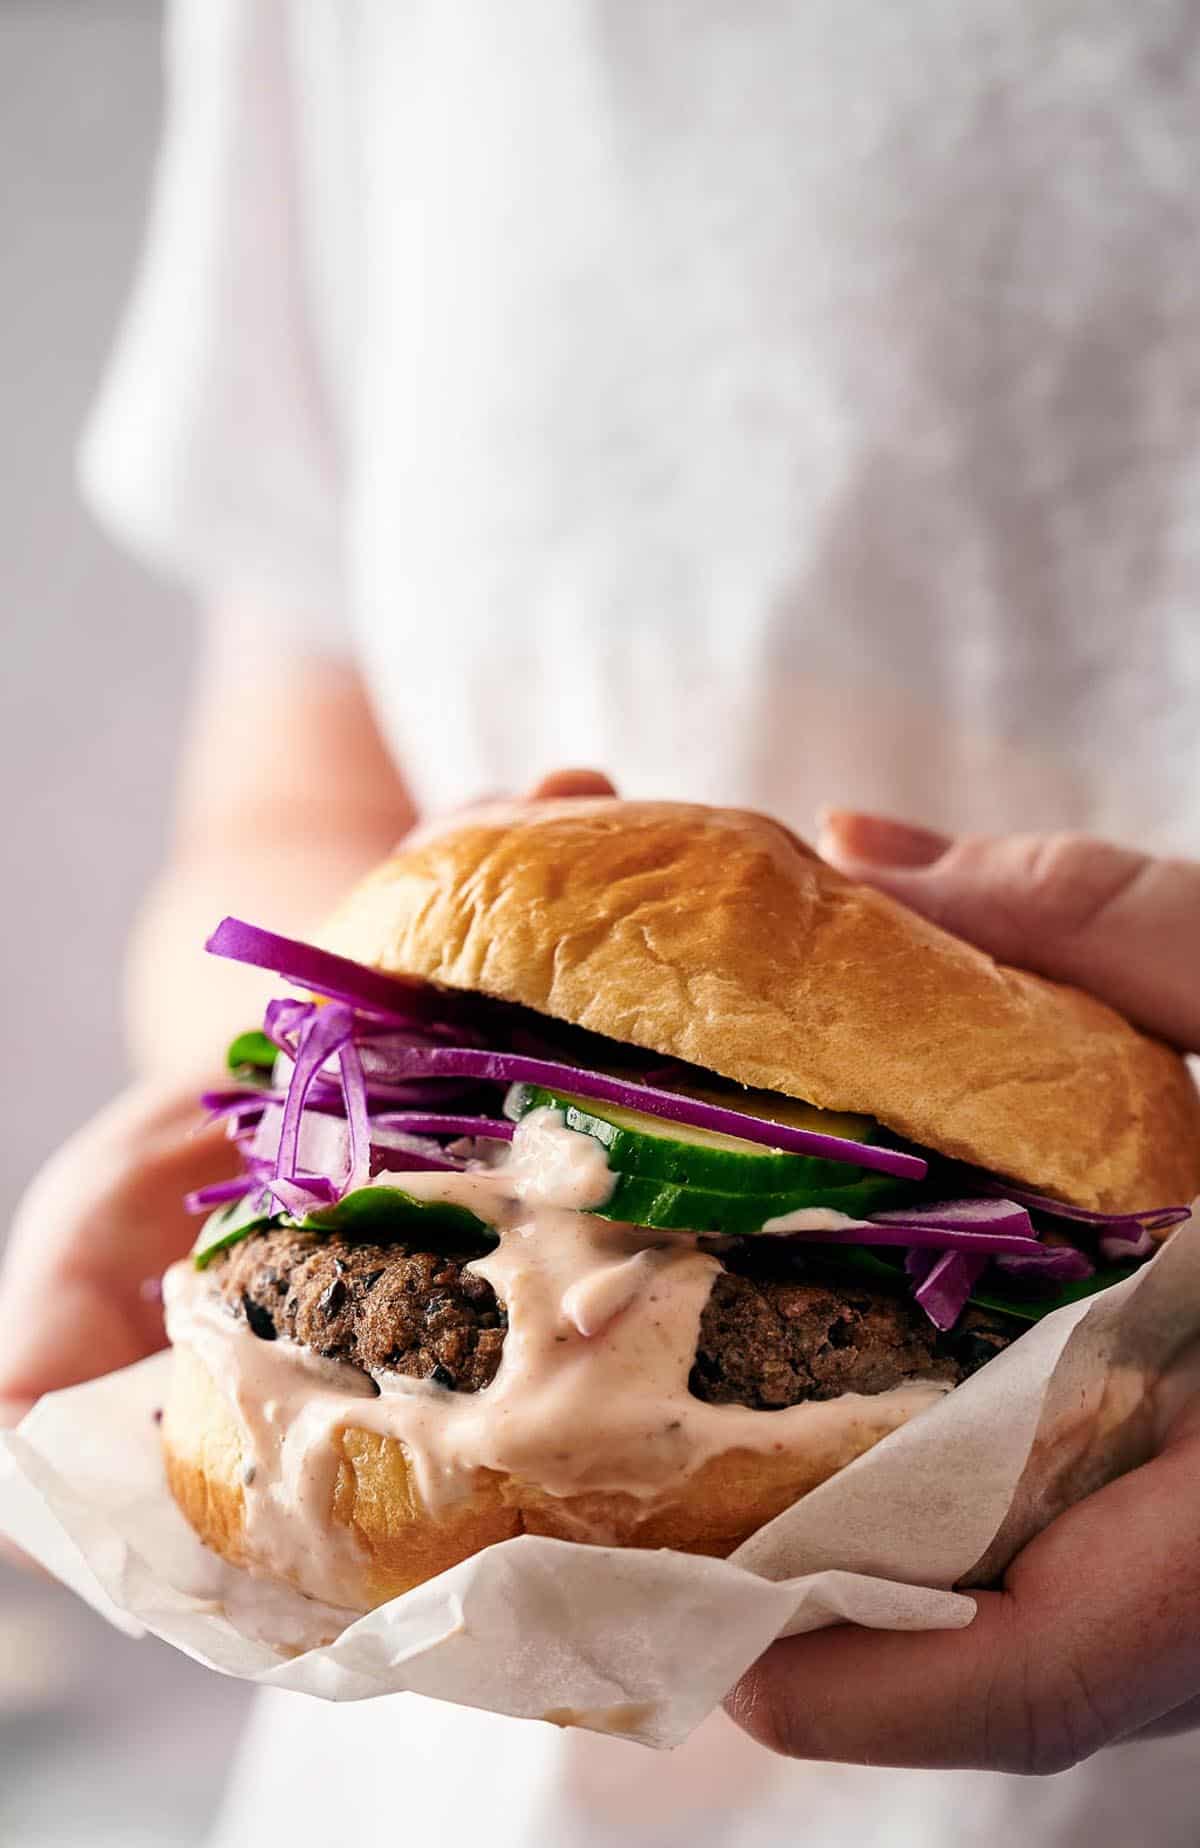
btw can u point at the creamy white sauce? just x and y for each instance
(810, 1219)
(595, 1300)
(591, 1391)
(549, 1165)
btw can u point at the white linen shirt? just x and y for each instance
(773, 401)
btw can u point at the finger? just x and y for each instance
(573, 783)
(103, 1219)
(1096, 1634)
(1118, 923)
(1184, 1719)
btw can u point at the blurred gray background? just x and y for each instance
(102, 1741)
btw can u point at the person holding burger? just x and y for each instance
(655, 427)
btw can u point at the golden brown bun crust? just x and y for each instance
(403, 1544)
(716, 937)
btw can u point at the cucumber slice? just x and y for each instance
(651, 1200)
(385, 1213)
(635, 1143)
(229, 1225)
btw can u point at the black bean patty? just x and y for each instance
(771, 1342)
(775, 1331)
(384, 1308)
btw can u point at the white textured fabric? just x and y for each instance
(212, 449)
(775, 401)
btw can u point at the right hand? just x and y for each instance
(1094, 1633)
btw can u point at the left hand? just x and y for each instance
(1095, 1633)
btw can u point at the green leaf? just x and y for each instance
(252, 1051)
(372, 1213)
(388, 1212)
(1030, 1308)
(229, 1225)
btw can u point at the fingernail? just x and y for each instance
(874, 840)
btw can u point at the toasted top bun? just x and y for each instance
(716, 937)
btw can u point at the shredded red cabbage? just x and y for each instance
(962, 1216)
(518, 1068)
(220, 1193)
(287, 1021)
(415, 1160)
(354, 1085)
(298, 1196)
(427, 1123)
(284, 1020)
(381, 1040)
(323, 1142)
(944, 1281)
(238, 1100)
(1151, 1219)
(918, 1235)
(1054, 1263)
(352, 986)
(325, 1032)
(383, 997)
(433, 1093)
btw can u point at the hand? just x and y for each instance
(1120, 924)
(94, 1233)
(1095, 1633)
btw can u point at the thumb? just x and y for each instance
(1120, 924)
(572, 783)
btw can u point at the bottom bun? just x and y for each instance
(401, 1542)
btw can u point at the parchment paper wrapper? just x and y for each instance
(642, 1644)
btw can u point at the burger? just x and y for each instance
(618, 1172)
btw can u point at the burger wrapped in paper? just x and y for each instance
(619, 1172)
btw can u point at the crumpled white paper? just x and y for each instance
(641, 1644)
